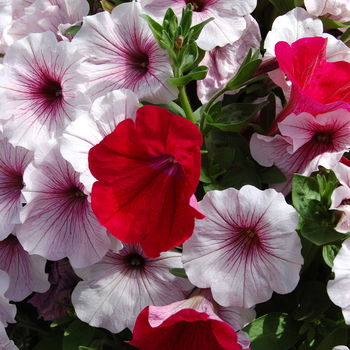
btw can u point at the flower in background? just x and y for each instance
(63, 280)
(245, 248)
(115, 290)
(148, 170)
(224, 62)
(58, 221)
(121, 52)
(228, 24)
(188, 324)
(41, 89)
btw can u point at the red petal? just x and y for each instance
(185, 330)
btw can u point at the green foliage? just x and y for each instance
(77, 334)
(178, 272)
(274, 331)
(283, 6)
(73, 30)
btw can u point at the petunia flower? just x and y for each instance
(318, 86)
(41, 89)
(63, 280)
(13, 162)
(338, 289)
(245, 248)
(148, 170)
(305, 143)
(228, 24)
(88, 130)
(115, 290)
(26, 272)
(188, 324)
(58, 221)
(121, 52)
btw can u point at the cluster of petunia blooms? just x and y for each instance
(102, 160)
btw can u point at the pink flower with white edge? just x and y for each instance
(227, 26)
(305, 143)
(58, 221)
(194, 323)
(121, 52)
(41, 89)
(88, 130)
(123, 284)
(26, 272)
(245, 248)
(13, 162)
(338, 289)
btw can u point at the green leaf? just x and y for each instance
(237, 116)
(319, 234)
(304, 189)
(186, 21)
(271, 175)
(331, 24)
(167, 39)
(329, 252)
(60, 321)
(243, 75)
(268, 114)
(274, 331)
(216, 109)
(236, 178)
(77, 334)
(345, 36)
(190, 57)
(72, 30)
(155, 27)
(178, 272)
(243, 157)
(337, 337)
(205, 176)
(197, 73)
(52, 343)
(283, 6)
(313, 301)
(85, 348)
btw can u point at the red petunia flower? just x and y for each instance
(318, 86)
(148, 172)
(190, 324)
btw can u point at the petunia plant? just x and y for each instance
(174, 175)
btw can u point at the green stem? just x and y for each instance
(185, 104)
(31, 326)
(309, 258)
(207, 108)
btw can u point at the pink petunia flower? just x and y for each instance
(26, 272)
(13, 162)
(305, 143)
(338, 289)
(115, 290)
(41, 89)
(188, 324)
(58, 221)
(148, 171)
(63, 280)
(121, 52)
(228, 24)
(318, 86)
(245, 248)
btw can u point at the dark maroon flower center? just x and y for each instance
(345, 202)
(197, 5)
(135, 261)
(323, 137)
(49, 89)
(168, 164)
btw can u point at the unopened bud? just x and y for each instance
(107, 6)
(179, 42)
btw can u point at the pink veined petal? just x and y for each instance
(58, 220)
(126, 56)
(26, 272)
